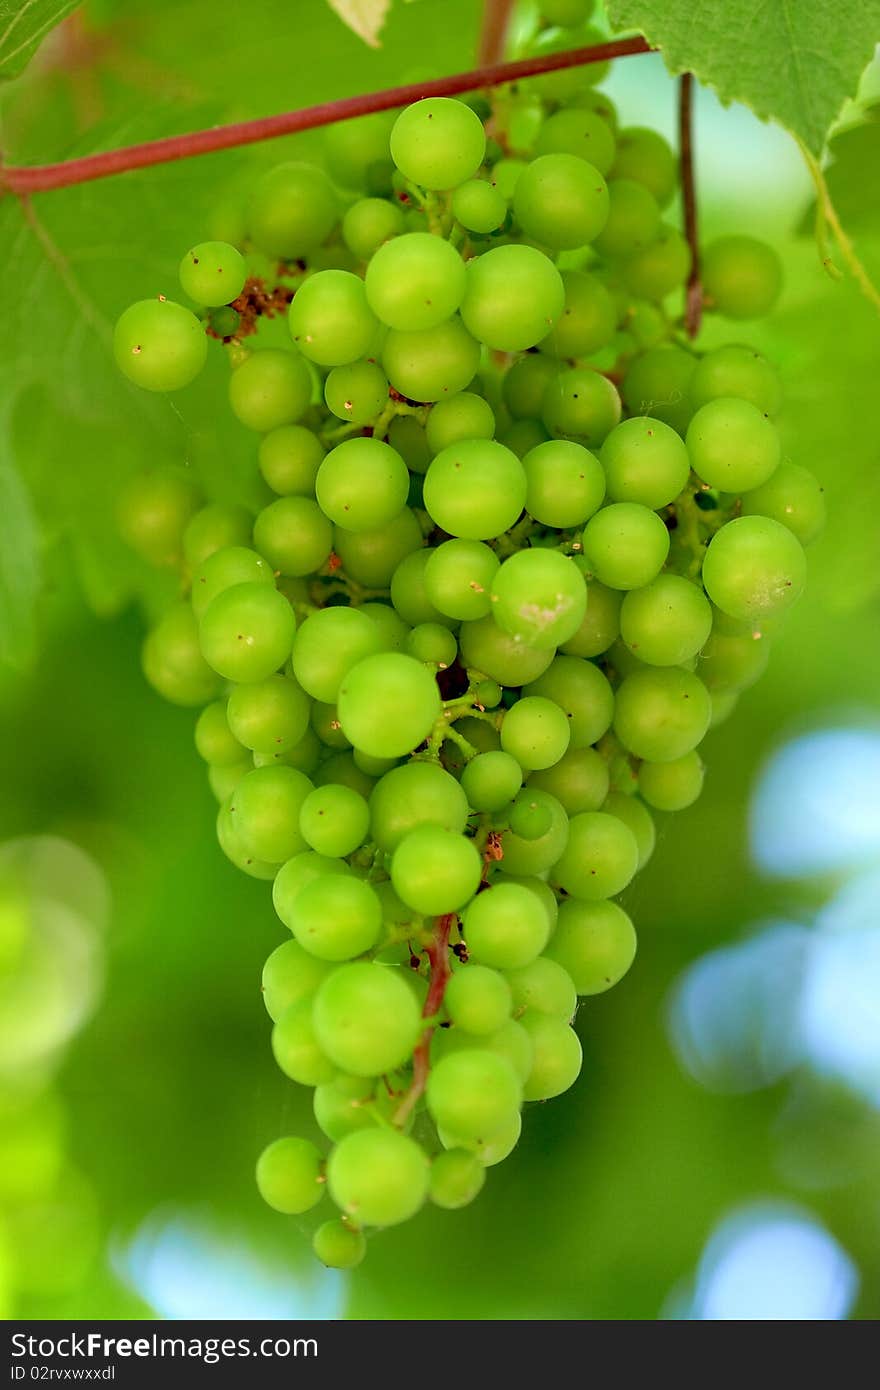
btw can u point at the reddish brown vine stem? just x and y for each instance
(438, 959)
(693, 312)
(496, 18)
(42, 177)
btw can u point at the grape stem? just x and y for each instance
(40, 178)
(496, 19)
(437, 952)
(694, 290)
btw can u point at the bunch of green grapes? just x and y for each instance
(521, 547)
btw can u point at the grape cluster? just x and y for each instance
(522, 547)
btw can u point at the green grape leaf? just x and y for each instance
(19, 567)
(23, 26)
(365, 18)
(852, 175)
(790, 61)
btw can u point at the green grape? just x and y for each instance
(409, 594)
(565, 484)
(223, 778)
(435, 870)
(733, 663)
(633, 220)
(213, 273)
(289, 460)
(246, 632)
(566, 13)
(646, 462)
(732, 446)
(325, 722)
(491, 780)
(232, 846)
(487, 694)
(458, 578)
(672, 786)
(793, 497)
(378, 1177)
(296, 875)
(472, 1093)
(561, 201)
(646, 324)
(154, 510)
(438, 143)
(524, 384)
(392, 628)
(659, 268)
(479, 206)
(579, 781)
(234, 564)
(539, 597)
(224, 322)
(290, 975)
(478, 1000)
(543, 987)
(583, 403)
(433, 644)
(565, 84)
(506, 926)
(527, 857)
(339, 1245)
(373, 767)
(661, 713)
(484, 647)
(336, 916)
(657, 383)
(600, 859)
(505, 176)
(292, 210)
(523, 436)
(514, 295)
(600, 102)
(326, 647)
(754, 567)
(736, 371)
(414, 795)
(388, 704)
(354, 149)
(290, 1176)
(529, 817)
(587, 321)
(645, 157)
(558, 1057)
(369, 223)
(345, 1104)
(475, 489)
(415, 281)
(357, 392)
(430, 363)
(544, 894)
(601, 623)
(215, 741)
(367, 1018)
(296, 1049)
(408, 437)
(667, 622)
(172, 659)
(159, 345)
(304, 755)
(371, 557)
(266, 808)
(595, 942)
(625, 545)
(362, 484)
(216, 527)
(502, 1143)
(334, 820)
(464, 416)
(269, 716)
(576, 131)
(294, 535)
(535, 731)
(271, 388)
(741, 277)
(457, 1177)
(635, 814)
(330, 320)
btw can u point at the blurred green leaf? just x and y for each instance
(852, 175)
(790, 62)
(23, 26)
(19, 567)
(364, 17)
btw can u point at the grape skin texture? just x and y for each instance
(510, 545)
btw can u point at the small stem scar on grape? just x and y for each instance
(438, 960)
(40, 178)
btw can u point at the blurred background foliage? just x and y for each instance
(719, 1156)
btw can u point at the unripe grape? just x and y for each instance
(475, 489)
(754, 567)
(366, 1017)
(672, 786)
(356, 392)
(269, 716)
(472, 1093)
(587, 321)
(633, 221)
(661, 713)
(296, 1048)
(478, 206)
(741, 276)
(290, 1176)
(290, 975)
(173, 662)
(595, 942)
(539, 597)
(457, 1177)
(292, 209)
(330, 320)
(362, 484)
(271, 388)
(491, 780)
(326, 647)
(732, 446)
(644, 156)
(246, 632)
(435, 871)
(535, 732)
(793, 497)
(506, 926)
(543, 987)
(371, 557)
(289, 460)
(738, 371)
(378, 1177)
(213, 528)
(458, 578)
(334, 820)
(513, 297)
(154, 511)
(645, 461)
(626, 545)
(580, 132)
(558, 1057)
(415, 281)
(478, 999)
(561, 201)
(159, 345)
(378, 687)
(213, 273)
(600, 858)
(579, 781)
(369, 223)
(581, 403)
(294, 535)
(430, 363)
(464, 416)
(266, 807)
(339, 1245)
(415, 794)
(438, 142)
